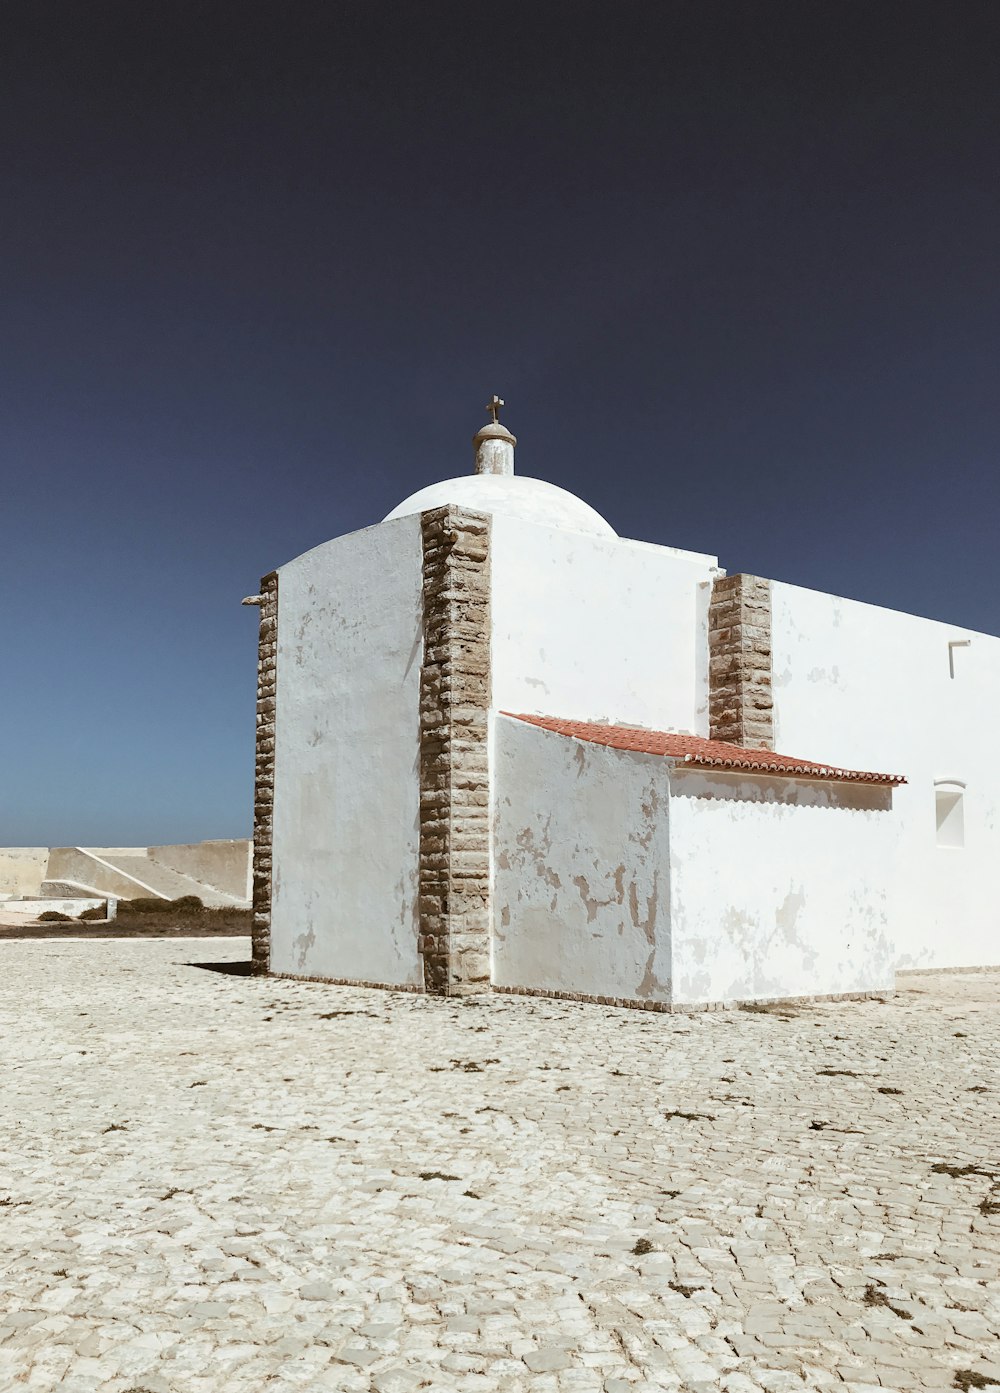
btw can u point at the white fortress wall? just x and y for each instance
(581, 871)
(346, 837)
(599, 628)
(22, 869)
(217, 872)
(779, 887)
(872, 688)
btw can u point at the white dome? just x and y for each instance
(511, 495)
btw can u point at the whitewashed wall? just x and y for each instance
(619, 874)
(779, 887)
(598, 628)
(346, 747)
(872, 689)
(581, 892)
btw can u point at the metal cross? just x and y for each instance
(494, 406)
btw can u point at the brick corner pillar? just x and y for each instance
(455, 925)
(740, 697)
(263, 790)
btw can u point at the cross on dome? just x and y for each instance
(493, 443)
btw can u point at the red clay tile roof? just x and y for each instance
(701, 753)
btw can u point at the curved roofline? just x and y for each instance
(509, 495)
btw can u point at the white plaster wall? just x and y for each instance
(22, 869)
(871, 688)
(581, 886)
(599, 628)
(346, 835)
(779, 887)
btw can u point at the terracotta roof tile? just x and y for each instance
(701, 753)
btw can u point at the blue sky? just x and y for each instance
(733, 266)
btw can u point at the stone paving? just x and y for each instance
(215, 1184)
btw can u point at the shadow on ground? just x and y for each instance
(231, 969)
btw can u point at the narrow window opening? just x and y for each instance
(949, 799)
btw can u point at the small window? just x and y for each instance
(948, 798)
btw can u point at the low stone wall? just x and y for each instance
(72, 908)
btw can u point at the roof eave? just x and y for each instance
(825, 774)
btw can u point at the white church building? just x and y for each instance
(501, 748)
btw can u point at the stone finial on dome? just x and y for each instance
(494, 444)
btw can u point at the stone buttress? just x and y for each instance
(454, 874)
(263, 798)
(740, 701)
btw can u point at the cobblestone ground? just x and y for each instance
(217, 1184)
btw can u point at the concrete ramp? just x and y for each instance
(166, 883)
(81, 870)
(218, 865)
(131, 873)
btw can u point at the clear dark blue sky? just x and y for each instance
(733, 265)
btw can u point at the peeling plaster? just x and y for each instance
(687, 885)
(653, 987)
(303, 944)
(831, 676)
(598, 818)
(591, 904)
(788, 913)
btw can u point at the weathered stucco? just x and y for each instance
(779, 887)
(872, 688)
(581, 876)
(597, 628)
(622, 875)
(346, 809)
